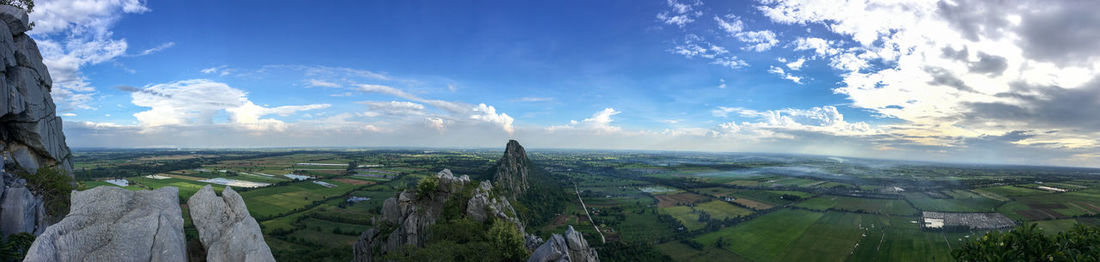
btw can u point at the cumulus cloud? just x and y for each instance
(196, 102)
(957, 70)
(73, 34)
(489, 114)
(781, 123)
(600, 123)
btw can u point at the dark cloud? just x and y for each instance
(1012, 136)
(957, 55)
(942, 77)
(976, 19)
(1063, 32)
(989, 64)
(131, 89)
(1056, 107)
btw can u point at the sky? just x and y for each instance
(962, 81)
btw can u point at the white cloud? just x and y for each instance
(759, 41)
(156, 49)
(680, 13)
(778, 123)
(323, 83)
(75, 33)
(794, 65)
(721, 83)
(731, 24)
(779, 71)
(392, 108)
(489, 114)
(196, 102)
(221, 70)
(820, 46)
(600, 123)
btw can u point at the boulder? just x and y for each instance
(570, 247)
(15, 18)
(115, 224)
(226, 229)
(21, 210)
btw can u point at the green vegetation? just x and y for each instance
(964, 202)
(765, 238)
(1029, 243)
(55, 187)
(15, 246)
(866, 205)
(694, 207)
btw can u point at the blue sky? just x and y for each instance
(956, 81)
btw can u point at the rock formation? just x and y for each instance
(30, 128)
(30, 131)
(225, 228)
(407, 217)
(570, 247)
(115, 224)
(410, 215)
(511, 174)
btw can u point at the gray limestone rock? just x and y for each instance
(20, 210)
(226, 229)
(115, 224)
(570, 247)
(16, 19)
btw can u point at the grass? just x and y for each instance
(270, 201)
(869, 205)
(1052, 227)
(688, 217)
(765, 238)
(722, 210)
(1012, 191)
(964, 202)
(897, 239)
(680, 252)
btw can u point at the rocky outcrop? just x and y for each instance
(511, 174)
(570, 247)
(30, 131)
(483, 205)
(226, 229)
(409, 215)
(115, 224)
(22, 211)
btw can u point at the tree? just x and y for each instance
(1028, 243)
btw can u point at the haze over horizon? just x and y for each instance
(1013, 82)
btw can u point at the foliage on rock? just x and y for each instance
(55, 186)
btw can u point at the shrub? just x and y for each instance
(1028, 243)
(427, 187)
(54, 186)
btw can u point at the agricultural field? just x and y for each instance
(866, 205)
(680, 207)
(959, 201)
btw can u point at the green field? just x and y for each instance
(722, 210)
(686, 215)
(271, 201)
(869, 205)
(765, 238)
(964, 202)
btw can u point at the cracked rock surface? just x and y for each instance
(115, 224)
(225, 228)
